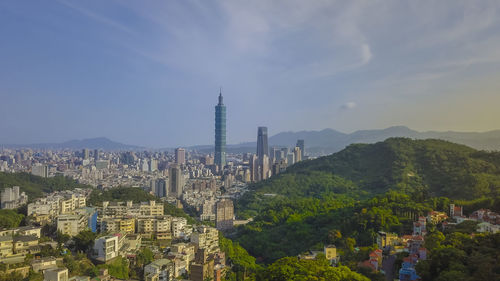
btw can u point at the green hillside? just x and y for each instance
(347, 197)
(35, 186)
(439, 167)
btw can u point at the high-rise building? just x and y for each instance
(175, 180)
(224, 215)
(297, 154)
(301, 145)
(160, 188)
(264, 167)
(290, 159)
(40, 170)
(96, 154)
(262, 147)
(254, 168)
(180, 156)
(85, 153)
(220, 133)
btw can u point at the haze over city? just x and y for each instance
(149, 73)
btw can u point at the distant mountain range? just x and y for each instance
(92, 143)
(322, 142)
(328, 141)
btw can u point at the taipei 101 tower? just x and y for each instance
(220, 133)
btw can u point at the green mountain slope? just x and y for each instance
(439, 167)
(363, 189)
(35, 186)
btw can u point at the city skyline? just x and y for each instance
(127, 71)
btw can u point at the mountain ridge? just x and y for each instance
(102, 143)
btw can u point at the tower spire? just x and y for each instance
(220, 96)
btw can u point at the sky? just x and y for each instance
(149, 72)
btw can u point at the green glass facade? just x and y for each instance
(220, 133)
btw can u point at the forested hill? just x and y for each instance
(347, 197)
(441, 168)
(35, 186)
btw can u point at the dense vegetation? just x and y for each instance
(441, 168)
(134, 194)
(35, 186)
(243, 264)
(345, 198)
(458, 256)
(291, 268)
(10, 218)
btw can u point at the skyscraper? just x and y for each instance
(180, 156)
(301, 144)
(262, 147)
(176, 181)
(297, 154)
(220, 133)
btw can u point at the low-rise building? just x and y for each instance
(206, 238)
(44, 263)
(26, 245)
(106, 248)
(160, 270)
(56, 274)
(71, 224)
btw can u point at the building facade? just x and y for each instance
(220, 133)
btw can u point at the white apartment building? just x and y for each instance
(106, 248)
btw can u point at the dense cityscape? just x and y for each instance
(233, 140)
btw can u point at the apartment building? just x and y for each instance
(206, 238)
(117, 224)
(130, 209)
(71, 224)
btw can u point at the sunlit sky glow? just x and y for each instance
(149, 72)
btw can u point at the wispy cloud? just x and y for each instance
(97, 17)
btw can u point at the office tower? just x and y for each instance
(96, 154)
(275, 154)
(160, 188)
(153, 165)
(297, 154)
(85, 153)
(220, 133)
(254, 168)
(40, 170)
(265, 168)
(175, 180)
(262, 148)
(180, 156)
(301, 145)
(224, 215)
(290, 159)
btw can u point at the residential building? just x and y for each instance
(160, 270)
(224, 215)
(56, 274)
(206, 238)
(106, 248)
(203, 267)
(71, 224)
(330, 252)
(11, 198)
(40, 170)
(118, 224)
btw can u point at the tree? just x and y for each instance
(84, 240)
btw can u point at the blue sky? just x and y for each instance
(149, 72)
